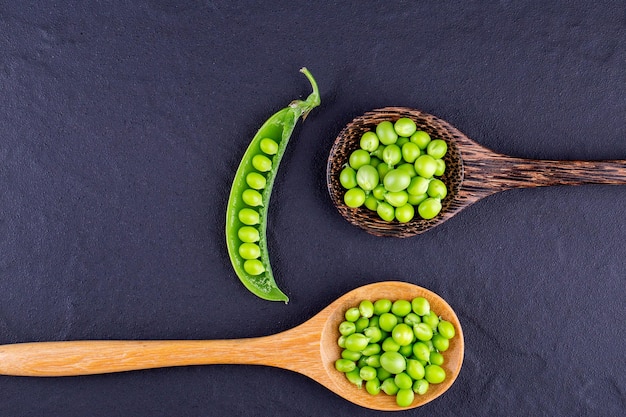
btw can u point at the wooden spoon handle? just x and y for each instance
(503, 172)
(96, 357)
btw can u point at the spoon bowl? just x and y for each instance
(472, 171)
(310, 349)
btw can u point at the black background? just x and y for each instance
(121, 126)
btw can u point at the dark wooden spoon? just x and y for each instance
(472, 171)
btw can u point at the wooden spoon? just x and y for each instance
(310, 349)
(472, 171)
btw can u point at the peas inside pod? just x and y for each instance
(395, 172)
(396, 347)
(246, 215)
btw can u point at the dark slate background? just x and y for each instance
(121, 125)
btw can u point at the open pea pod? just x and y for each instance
(246, 214)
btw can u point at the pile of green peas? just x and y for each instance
(395, 170)
(249, 233)
(394, 347)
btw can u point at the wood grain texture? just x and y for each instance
(310, 349)
(472, 172)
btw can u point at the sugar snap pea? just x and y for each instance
(257, 172)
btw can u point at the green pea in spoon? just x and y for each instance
(472, 171)
(310, 349)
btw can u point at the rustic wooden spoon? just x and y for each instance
(310, 349)
(472, 171)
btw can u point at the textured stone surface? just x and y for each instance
(121, 126)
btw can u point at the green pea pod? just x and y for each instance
(256, 274)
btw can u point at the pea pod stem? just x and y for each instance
(279, 127)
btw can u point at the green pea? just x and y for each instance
(351, 355)
(389, 387)
(403, 380)
(392, 154)
(347, 178)
(429, 208)
(355, 377)
(410, 152)
(371, 202)
(405, 213)
(253, 267)
(372, 349)
(354, 197)
(420, 386)
(405, 397)
(440, 343)
(405, 127)
(406, 351)
(367, 177)
(366, 308)
(374, 161)
(249, 251)
(421, 139)
(252, 197)
(434, 374)
(423, 331)
(431, 319)
(396, 180)
(268, 146)
(390, 345)
(383, 374)
(361, 324)
(256, 180)
(401, 308)
(352, 314)
(412, 319)
(393, 362)
(373, 386)
(261, 163)
(361, 362)
(345, 365)
(437, 148)
(373, 360)
(356, 342)
(341, 342)
(446, 329)
(386, 211)
(346, 328)
(441, 167)
(369, 141)
(374, 334)
(248, 234)
(420, 306)
(397, 198)
(425, 166)
(248, 216)
(382, 169)
(415, 200)
(437, 189)
(402, 334)
(367, 373)
(409, 168)
(401, 141)
(415, 369)
(418, 186)
(359, 158)
(387, 321)
(381, 306)
(421, 351)
(379, 192)
(386, 133)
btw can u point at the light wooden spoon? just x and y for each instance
(472, 172)
(310, 349)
